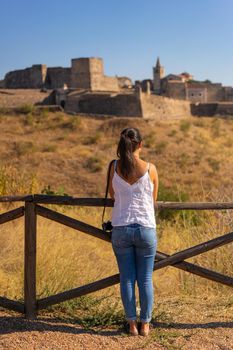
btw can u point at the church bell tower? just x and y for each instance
(158, 74)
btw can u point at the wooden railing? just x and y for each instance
(31, 209)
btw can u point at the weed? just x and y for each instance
(93, 139)
(60, 192)
(149, 140)
(26, 109)
(167, 194)
(94, 164)
(160, 147)
(74, 123)
(202, 140)
(172, 133)
(214, 164)
(44, 113)
(185, 126)
(166, 338)
(215, 128)
(183, 159)
(3, 111)
(228, 142)
(26, 147)
(29, 119)
(49, 148)
(199, 122)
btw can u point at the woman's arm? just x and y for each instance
(110, 189)
(155, 180)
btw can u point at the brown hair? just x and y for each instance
(129, 140)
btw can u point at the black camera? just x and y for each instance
(107, 226)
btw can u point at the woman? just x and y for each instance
(134, 186)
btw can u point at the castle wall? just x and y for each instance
(214, 92)
(106, 84)
(196, 94)
(225, 108)
(57, 76)
(228, 93)
(80, 73)
(131, 104)
(94, 103)
(204, 109)
(162, 108)
(88, 73)
(100, 82)
(29, 78)
(174, 89)
(212, 109)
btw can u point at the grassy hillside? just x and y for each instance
(71, 153)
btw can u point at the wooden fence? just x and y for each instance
(31, 209)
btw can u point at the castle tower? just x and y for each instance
(158, 74)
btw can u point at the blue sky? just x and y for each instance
(187, 35)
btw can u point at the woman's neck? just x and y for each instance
(136, 155)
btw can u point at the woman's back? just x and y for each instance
(140, 169)
(134, 202)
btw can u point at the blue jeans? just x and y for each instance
(135, 246)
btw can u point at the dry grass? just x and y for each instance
(192, 152)
(59, 151)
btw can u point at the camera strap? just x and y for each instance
(107, 186)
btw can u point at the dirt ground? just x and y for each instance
(208, 329)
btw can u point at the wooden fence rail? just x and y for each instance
(31, 209)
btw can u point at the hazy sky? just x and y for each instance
(188, 35)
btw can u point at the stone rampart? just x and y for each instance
(162, 108)
(88, 73)
(103, 103)
(29, 78)
(212, 109)
(57, 76)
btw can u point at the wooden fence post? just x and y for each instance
(30, 261)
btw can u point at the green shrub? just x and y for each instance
(168, 194)
(94, 164)
(160, 147)
(93, 139)
(215, 128)
(74, 123)
(214, 164)
(29, 119)
(3, 111)
(172, 133)
(26, 147)
(26, 109)
(199, 122)
(60, 192)
(183, 159)
(49, 148)
(149, 140)
(185, 125)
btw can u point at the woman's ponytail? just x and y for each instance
(129, 139)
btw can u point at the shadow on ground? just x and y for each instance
(12, 324)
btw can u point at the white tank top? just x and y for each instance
(133, 203)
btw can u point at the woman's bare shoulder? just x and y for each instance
(153, 172)
(112, 167)
(152, 166)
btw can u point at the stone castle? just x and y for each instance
(85, 73)
(85, 88)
